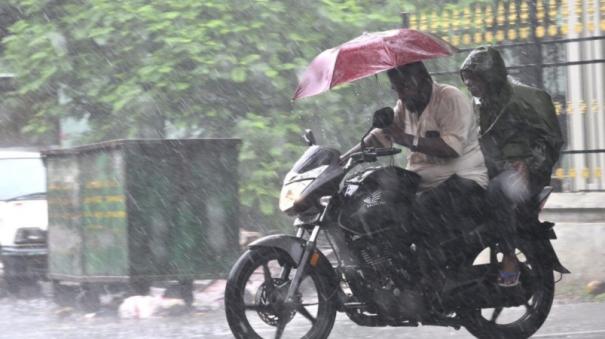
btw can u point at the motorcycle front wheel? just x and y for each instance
(523, 321)
(255, 299)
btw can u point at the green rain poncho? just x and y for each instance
(517, 122)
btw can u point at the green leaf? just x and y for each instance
(271, 73)
(238, 75)
(171, 15)
(249, 59)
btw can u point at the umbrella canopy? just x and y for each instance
(367, 55)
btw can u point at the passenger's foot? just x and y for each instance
(508, 279)
(509, 271)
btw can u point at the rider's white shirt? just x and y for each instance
(450, 113)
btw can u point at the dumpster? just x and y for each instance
(127, 213)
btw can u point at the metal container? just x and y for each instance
(129, 211)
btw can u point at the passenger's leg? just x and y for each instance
(502, 201)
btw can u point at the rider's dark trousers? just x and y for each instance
(442, 209)
(439, 214)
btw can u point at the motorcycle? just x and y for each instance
(372, 265)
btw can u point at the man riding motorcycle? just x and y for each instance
(436, 122)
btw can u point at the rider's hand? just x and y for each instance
(521, 168)
(394, 128)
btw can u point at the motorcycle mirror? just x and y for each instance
(309, 138)
(383, 117)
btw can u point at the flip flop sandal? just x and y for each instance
(508, 279)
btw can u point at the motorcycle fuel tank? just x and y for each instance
(378, 200)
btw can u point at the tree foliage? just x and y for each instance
(190, 68)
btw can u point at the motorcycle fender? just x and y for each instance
(292, 245)
(295, 247)
(545, 246)
(557, 266)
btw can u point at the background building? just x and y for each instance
(557, 45)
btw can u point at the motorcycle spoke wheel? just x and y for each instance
(281, 326)
(510, 316)
(255, 299)
(257, 307)
(523, 320)
(305, 313)
(268, 276)
(496, 314)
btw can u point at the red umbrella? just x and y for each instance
(367, 55)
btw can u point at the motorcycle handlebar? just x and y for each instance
(370, 154)
(380, 152)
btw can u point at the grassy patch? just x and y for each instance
(575, 291)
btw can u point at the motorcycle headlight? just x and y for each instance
(30, 235)
(290, 193)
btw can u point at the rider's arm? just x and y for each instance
(454, 121)
(434, 146)
(522, 138)
(451, 127)
(430, 146)
(547, 141)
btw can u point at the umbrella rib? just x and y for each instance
(333, 68)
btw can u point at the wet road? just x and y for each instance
(38, 318)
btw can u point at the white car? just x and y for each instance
(23, 218)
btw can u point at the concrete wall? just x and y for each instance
(580, 227)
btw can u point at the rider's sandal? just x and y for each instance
(508, 279)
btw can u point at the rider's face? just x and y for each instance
(475, 84)
(406, 86)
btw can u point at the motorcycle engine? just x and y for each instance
(378, 264)
(383, 265)
(387, 274)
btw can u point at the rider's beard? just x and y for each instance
(418, 100)
(412, 105)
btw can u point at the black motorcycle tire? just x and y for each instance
(525, 327)
(235, 289)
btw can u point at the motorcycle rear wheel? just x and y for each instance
(254, 296)
(537, 307)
